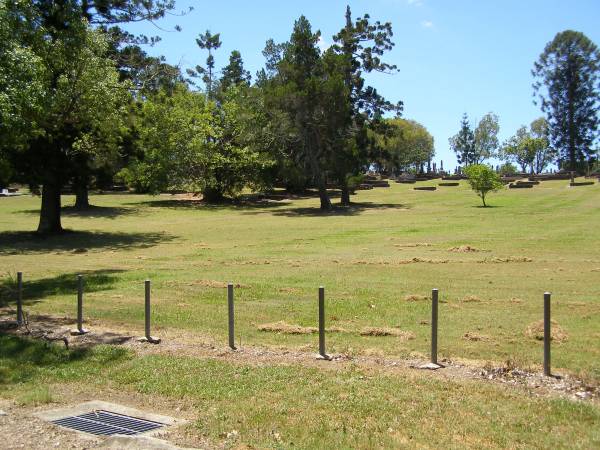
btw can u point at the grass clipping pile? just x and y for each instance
(383, 331)
(535, 331)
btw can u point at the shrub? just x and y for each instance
(483, 180)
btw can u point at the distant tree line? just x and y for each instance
(567, 88)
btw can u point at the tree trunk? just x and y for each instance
(345, 199)
(212, 195)
(325, 201)
(82, 201)
(50, 212)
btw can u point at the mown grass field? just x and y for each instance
(394, 243)
(531, 241)
(233, 405)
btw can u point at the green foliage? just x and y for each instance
(406, 143)
(210, 42)
(486, 138)
(69, 105)
(483, 180)
(322, 102)
(463, 143)
(567, 80)
(530, 148)
(234, 72)
(188, 142)
(508, 169)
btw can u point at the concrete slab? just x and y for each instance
(430, 366)
(119, 442)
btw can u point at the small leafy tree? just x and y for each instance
(483, 180)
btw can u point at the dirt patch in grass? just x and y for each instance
(399, 262)
(471, 299)
(215, 284)
(515, 300)
(415, 298)
(474, 337)
(510, 259)
(287, 290)
(285, 328)
(383, 331)
(413, 244)
(282, 327)
(465, 249)
(535, 330)
(423, 260)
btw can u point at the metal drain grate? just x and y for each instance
(106, 423)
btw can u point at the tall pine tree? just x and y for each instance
(567, 85)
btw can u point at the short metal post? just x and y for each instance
(231, 315)
(20, 320)
(434, 325)
(79, 303)
(547, 334)
(80, 330)
(147, 286)
(148, 337)
(322, 353)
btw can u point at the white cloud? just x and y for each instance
(427, 24)
(323, 44)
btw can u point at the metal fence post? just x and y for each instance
(322, 354)
(20, 320)
(80, 330)
(148, 337)
(547, 334)
(230, 315)
(434, 325)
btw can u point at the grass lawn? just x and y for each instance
(289, 406)
(378, 260)
(392, 244)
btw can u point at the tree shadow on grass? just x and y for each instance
(17, 242)
(230, 205)
(247, 202)
(36, 290)
(93, 212)
(23, 359)
(487, 206)
(352, 210)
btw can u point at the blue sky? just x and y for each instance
(454, 56)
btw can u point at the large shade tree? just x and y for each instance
(74, 105)
(310, 93)
(359, 47)
(567, 86)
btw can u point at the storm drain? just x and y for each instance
(106, 423)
